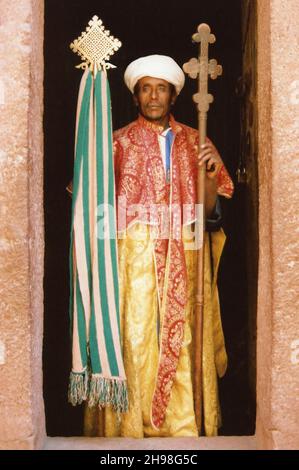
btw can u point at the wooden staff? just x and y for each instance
(201, 68)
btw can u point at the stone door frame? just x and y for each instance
(22, 418)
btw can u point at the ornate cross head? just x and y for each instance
(204, 34)
(95, 46)
(202, 67)
(192, 68)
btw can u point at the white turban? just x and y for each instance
(156, 66)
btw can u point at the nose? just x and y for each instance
(154, 94)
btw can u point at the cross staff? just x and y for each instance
(201, 68)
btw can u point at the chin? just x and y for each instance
(153, 118)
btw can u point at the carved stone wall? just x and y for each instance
(21, 229)
(278, 157)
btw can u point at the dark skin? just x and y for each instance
(154, 98)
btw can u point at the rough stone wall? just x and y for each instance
(278, 319)
(264, 317)
(21, 229)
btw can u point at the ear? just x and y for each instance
(173, 99)
(135, 100)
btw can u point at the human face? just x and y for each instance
(154, 98)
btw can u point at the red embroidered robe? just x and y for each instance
(142, 193)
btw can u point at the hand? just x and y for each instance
(69, 188)
(210, 157)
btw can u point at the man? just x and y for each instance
(156, 161)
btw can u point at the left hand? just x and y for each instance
(209, 156)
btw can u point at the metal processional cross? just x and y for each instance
(201, 68)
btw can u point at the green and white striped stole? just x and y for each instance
(97, 374)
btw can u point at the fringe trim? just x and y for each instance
(108, 392)
(78, 387)
(98, 391)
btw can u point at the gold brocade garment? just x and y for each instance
(140, 325)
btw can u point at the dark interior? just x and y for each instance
(144, 27)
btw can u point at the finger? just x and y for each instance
(212, 161)
(211, 168)
(204, 159)
(211, 151)
(208, 155)
(205, 153)
(208, 145)
(199, 148)
(213, 157)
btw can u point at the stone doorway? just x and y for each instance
(237, 389)
(22, 418)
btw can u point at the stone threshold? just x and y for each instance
(174, 443)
